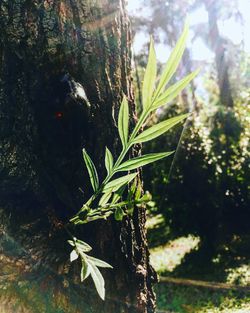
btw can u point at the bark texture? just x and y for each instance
(43, 130)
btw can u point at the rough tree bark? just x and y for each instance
(43, 130)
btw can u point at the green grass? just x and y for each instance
(182, 299)
(167, 256)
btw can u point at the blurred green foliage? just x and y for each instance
(205, 191)
(187, 299)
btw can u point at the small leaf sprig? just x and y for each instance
(107, 197)
(89, 264)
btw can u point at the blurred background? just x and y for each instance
(199, 219)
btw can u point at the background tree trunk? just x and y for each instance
(219, 46)
(43, 130)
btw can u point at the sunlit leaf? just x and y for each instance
(98, 280)
(142, 160)
(159, 129)
(71, 242)
(99, 263)
(123, 120)
(82, 245)
(174, 90)
(172, 62)
(117, 183)
(149, 77)
(73, 255)
(104, 199)
(85, 270)
(109, 162)
(91, 170)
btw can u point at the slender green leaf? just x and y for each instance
(85, 270)
(115, 184)
(159, 129)
(71, 242)
(174, 90)
(123, 120)
(98, 280)
(138, 191)
(104, 199)
(118, 194)
(91, 170)
(146, 197)
(149, 77)
(132, 191)
(83, 246)
(109, 161)
(73, 255)
(99, 263)
(142, 160)
(172, 62)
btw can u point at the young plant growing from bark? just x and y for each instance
(107, 198)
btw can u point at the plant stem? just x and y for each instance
(125, 150)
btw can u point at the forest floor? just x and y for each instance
(188, 285)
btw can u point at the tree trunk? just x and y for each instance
(45, 47)
(219, 46)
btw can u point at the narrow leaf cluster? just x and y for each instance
(108, 197)
(89, 264)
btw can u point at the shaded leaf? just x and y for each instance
(132, 190)
(149, 77)
(118, 194)
(123, 120)
(159, 129)
(146, 197)
(138, 191)
(91, 170)
(119, 213)
(142, 161)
